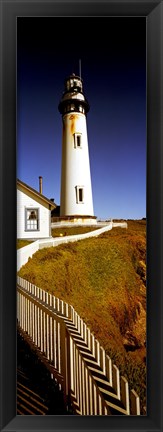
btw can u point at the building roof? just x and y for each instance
(36, 193)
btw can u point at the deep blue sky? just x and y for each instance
(113, 60)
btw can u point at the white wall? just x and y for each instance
(26, 201)
(120, 224)
(26, 252)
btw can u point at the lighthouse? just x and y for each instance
(76, 203)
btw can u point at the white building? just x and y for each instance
(76, 190)
(33, 212)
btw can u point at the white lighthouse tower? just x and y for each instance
(76, 190)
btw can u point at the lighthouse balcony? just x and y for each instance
(73, 95)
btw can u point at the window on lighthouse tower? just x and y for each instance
(79, 194)
(77, 140)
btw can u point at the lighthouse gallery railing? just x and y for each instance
(90, 381)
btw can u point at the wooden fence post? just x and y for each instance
(69, 366)
(135, 403)
(125, 394)
(65, 362)
(116, 380)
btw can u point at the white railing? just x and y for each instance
(90, 381)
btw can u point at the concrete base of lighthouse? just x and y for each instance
(77, 220)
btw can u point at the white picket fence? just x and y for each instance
(91, 382)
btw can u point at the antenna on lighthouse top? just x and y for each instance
(80, 68)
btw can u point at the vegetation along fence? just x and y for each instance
(91, 383)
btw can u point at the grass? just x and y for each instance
(22, 243)
(104, 279)
(62, 231)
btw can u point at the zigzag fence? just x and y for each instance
(91, 383)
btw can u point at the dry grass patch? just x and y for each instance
(22, 243)
(66, 231)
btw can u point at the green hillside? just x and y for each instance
(104, 279)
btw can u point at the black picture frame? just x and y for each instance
(153, 10)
